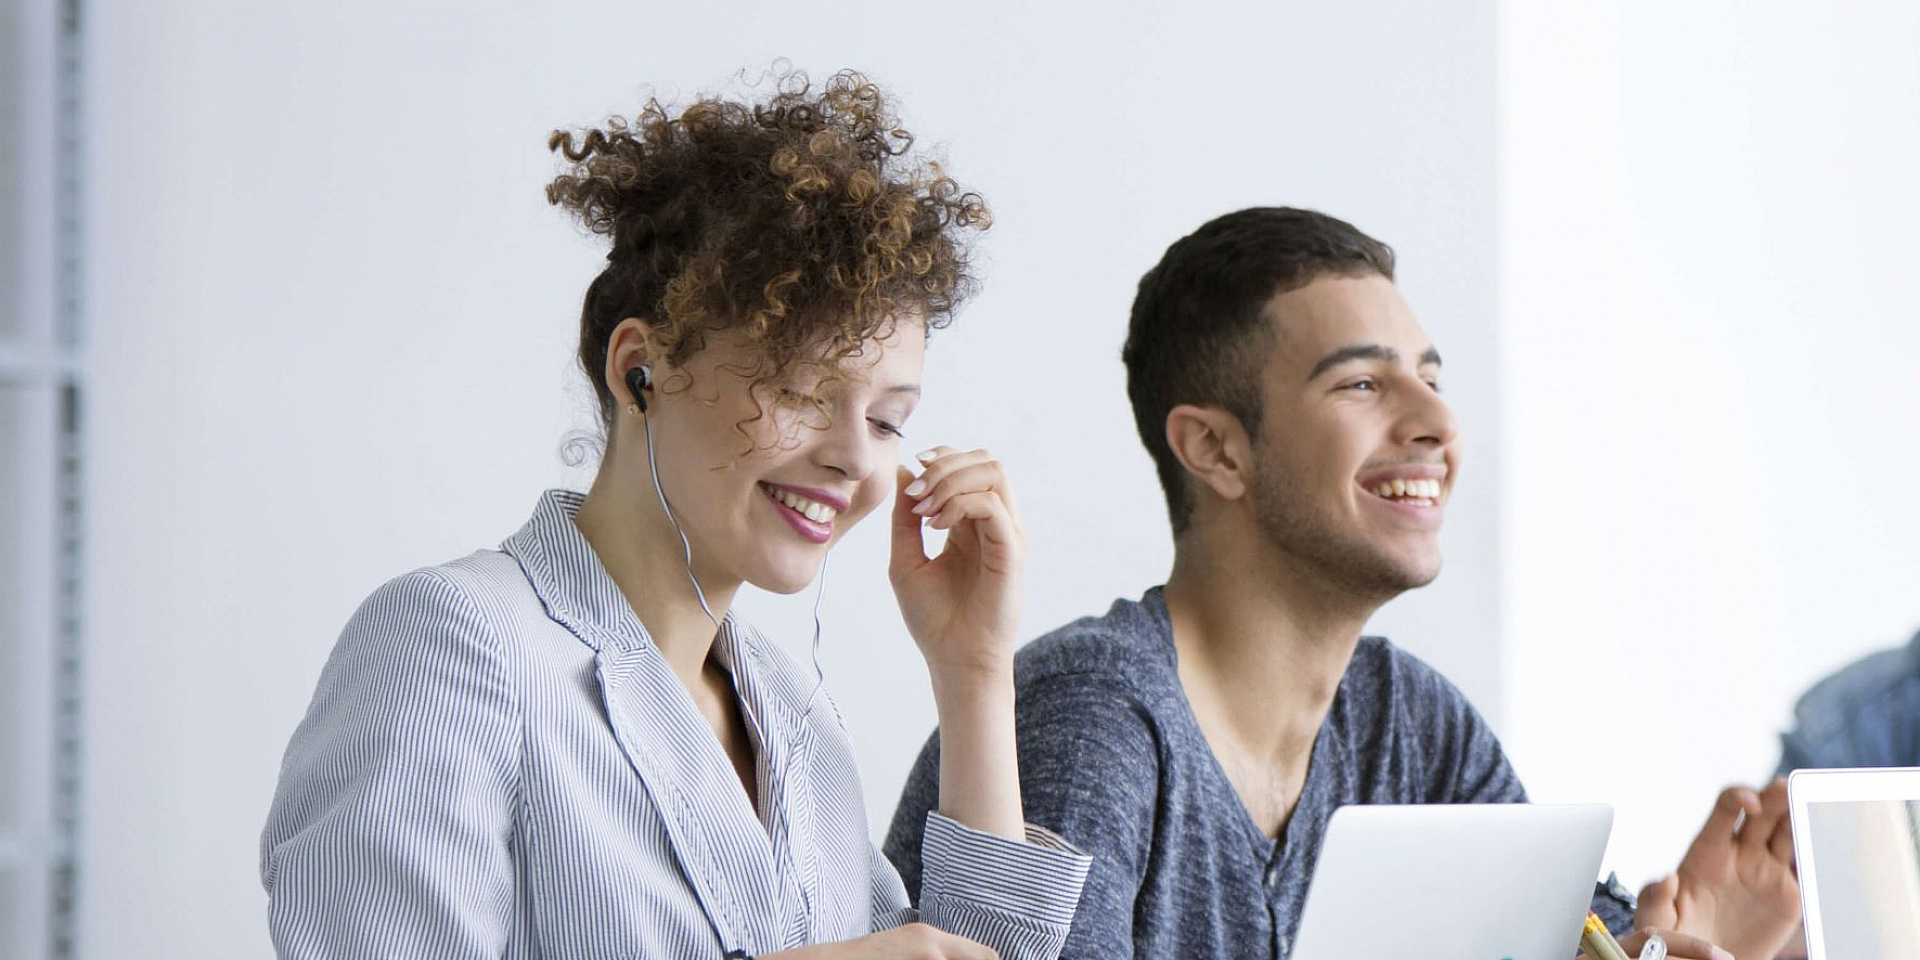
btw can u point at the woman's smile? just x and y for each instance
(810, 512)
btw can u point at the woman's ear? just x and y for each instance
(629, 346)
(1213, 446)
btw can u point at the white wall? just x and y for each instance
(1709, 224)
(331, 326)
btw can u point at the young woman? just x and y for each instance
(568, 746)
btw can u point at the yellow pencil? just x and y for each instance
(1598, 943)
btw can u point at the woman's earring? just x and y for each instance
(638, 380)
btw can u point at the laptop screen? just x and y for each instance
(1868, 856)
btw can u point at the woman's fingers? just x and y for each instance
(939, 461)
(999, 538)
(909, 548)
(973, 478)
(943, 462)
(958, 486)
(952, 473)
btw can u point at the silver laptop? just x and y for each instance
(1476, 882)
(1856, 838)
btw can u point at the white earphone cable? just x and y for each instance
(647, 423)
(820, 592)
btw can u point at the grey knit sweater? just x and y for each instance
(1113, 760)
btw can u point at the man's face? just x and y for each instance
(1356, 454)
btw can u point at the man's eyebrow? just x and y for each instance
(1367, 351)
(1352, 352)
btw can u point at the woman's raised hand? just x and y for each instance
(963, 606)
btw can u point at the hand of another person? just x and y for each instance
(963, 606)
(1680, 946)
(915, 941)
(1737, 885)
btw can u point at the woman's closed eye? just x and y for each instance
(801, 398)
(887, 428)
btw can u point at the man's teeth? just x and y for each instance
(817, 512)
(1406, 489)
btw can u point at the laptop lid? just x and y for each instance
(1390, 882)
(1856, 839)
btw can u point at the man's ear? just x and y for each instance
(1213, 446)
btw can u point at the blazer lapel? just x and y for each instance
(719, 845)
(785, 741)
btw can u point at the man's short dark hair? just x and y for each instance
(1199, 332)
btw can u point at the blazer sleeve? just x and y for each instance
(390, 830)
(1017, 898)
(1089, 768)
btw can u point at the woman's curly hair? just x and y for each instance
(799, 221)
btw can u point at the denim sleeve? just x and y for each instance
(1865, 715)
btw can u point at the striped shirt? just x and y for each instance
(498, 763)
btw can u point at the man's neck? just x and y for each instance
(1263, 644)
(643, 555)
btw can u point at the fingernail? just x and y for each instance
(925, 456)
(923, 507)
(916, 488)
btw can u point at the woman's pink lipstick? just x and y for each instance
(811, 529)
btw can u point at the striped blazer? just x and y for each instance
(498, 763)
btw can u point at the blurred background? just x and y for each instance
(283, 314)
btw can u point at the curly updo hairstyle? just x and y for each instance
(799, 221)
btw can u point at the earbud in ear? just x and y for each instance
(638, 380)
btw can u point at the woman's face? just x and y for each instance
(762, 498)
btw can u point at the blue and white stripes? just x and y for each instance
(497, 763)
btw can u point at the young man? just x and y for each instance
(1195, 742)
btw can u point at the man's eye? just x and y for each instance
(1362, 385)
(1435, 384)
